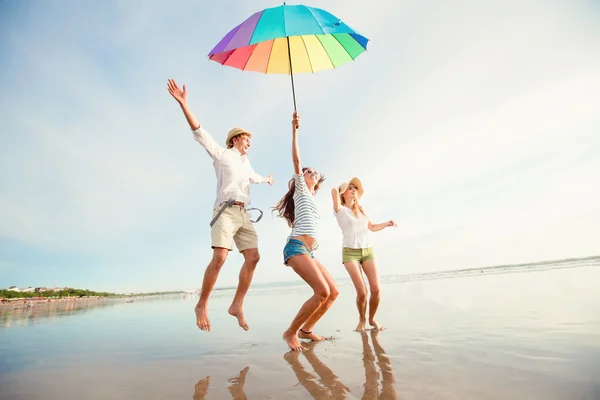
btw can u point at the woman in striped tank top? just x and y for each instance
(298, 207)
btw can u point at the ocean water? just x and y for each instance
(518, 332)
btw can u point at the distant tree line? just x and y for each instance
(69, 292)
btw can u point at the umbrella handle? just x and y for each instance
(291, 71)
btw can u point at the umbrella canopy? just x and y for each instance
(289, 39)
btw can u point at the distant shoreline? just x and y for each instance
(27, 303)
(24, 302)
(40, 302)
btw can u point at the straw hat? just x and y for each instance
(354, 181)
(233, 133)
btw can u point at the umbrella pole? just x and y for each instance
(291, 71)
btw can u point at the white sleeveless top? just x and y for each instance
(355, 230)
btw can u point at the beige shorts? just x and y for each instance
(233, 225)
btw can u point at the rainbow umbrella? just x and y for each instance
(289, 39)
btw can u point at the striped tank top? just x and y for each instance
(306, 214)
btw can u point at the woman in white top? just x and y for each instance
(298, 207)
(357, 252)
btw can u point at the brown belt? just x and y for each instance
(231, 203)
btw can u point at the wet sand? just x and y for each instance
(520, 336)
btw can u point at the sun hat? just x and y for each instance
(233, 133)
(354, 181)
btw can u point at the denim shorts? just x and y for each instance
(295, 247)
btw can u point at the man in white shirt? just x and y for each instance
(234, 176)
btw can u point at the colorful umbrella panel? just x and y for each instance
(317, 40)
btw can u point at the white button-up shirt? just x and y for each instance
(233, 170)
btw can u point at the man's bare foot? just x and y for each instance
(309, 335)
(361, 326)
(236, 311)
(292, 341)
(201, 388)
(376, 325)
(202, 318)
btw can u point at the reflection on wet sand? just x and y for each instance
(325, 384)
(333, 388)
(388, 391)
(236, 389)
(201, 388)
(31, 311)
(22, 316)
(330, 387)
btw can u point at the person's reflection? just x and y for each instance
(388, 390)
(236, 389)
(237, 385)
(201, 388)
(333, 388)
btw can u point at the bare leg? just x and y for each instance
(308, 270)
(210, 278)
(251, 258)
(355, 273)
(333, 294)
(370, 268)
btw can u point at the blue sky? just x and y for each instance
(474, 125)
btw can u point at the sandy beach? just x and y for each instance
(531, 335)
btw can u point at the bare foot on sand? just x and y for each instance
(201, 388)
(309, 335)
(376, 325)
(292, 341)
(361, 326)
(236, 311)
(202, 318)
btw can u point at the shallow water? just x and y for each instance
(528, 335)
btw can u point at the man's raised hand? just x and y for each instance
(178, 94)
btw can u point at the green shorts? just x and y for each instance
(357, 255)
